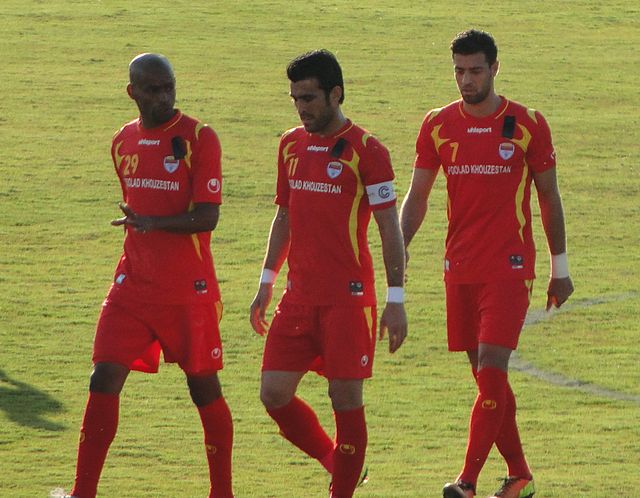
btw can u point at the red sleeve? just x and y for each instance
(541, 155)
(377, 175)
(426, 154)
(282, 185)
(206, 166)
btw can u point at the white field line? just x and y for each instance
(537, 316)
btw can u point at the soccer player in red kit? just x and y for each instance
(332, 175)
(490, 150)
(165, 295)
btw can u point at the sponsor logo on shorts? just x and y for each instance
(364, 361)
(516, 261)
(334, 168)
(506, 150)
(211, 449)
(489, 404)
(120, 278)
(356, 288)
(216, 353)
(347, 449)
(200, 286)
(171, 164)
(213, 186)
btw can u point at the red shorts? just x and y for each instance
(335, 341)
(492, 313)
(133, 334)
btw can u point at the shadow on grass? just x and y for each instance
(26, 405)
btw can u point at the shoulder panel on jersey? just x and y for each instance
(116, 154)
(199, 126)
(433, 113)
(533, 114)
(289, 132)
(117, 133)
(366, 136)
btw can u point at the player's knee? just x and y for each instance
(204, 390)
(273, 397)
(345, 395)
(108, 378)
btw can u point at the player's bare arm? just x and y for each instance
(277, 250)
(202, 218)
(414, 206)
(394, 317)
(560, 284)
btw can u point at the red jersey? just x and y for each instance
(330, 185)
(488, 163)
(163, 171)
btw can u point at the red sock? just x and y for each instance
(486, 419)
(99, 427)
(218, 441)
(508, 440)
(351, 446)
(299, 424)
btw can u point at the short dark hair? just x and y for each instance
(473, 41)
(320, 64)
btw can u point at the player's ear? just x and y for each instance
(495, 68)
(130, 91)
(335, 95)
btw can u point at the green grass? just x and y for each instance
(63, 79)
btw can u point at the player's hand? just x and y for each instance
(258, 309)
(558, 291)
(394, 320)
(132, 219)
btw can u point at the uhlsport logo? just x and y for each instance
(334, 168)
(347, 449)
(364, 361)
(214, 185)
(216, 353)
(489, 404)
(506, 150)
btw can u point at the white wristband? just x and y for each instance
(395, 295)
(559, 265)
(268, 276)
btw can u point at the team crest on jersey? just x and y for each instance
(506, 150)
(171, 164)
(334, 168)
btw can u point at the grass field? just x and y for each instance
(63, 79)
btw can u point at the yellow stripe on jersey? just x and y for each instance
(368, 316)
(365, 137)
(532, 115)
(529, 286)
(199, 127)
(218, 306)
(519, 198)
(194, 237)
(187, 157)
(433, 113)
(435, 136)
(286, 156)
(353, 217)
(119, 158)
(523, 143)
